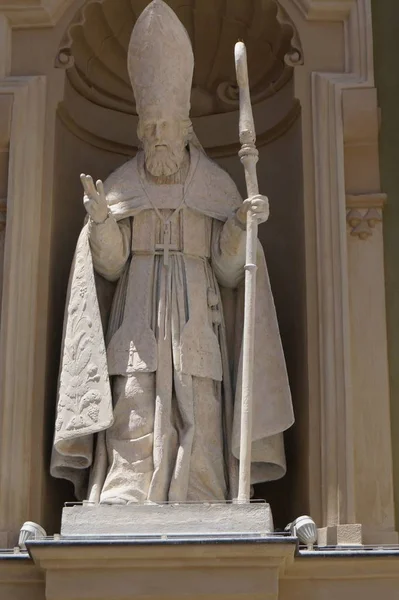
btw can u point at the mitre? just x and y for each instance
(160, 63)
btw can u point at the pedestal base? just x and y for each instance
(160, 520)
(163, 569)
(164, 552)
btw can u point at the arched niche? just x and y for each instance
(96, 132)
(312, 170)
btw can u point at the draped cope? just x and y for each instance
(124, 296)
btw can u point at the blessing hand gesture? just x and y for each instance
(94, 199)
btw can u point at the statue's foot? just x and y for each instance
(114, 501)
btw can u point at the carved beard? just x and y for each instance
(163, 161)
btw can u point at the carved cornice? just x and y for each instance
(263, 139)
(373, 200)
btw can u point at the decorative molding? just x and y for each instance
(337, 468)
(343, 496)
(325, 10)
(362, 222)
(294, 56)
(30, 14)
(356, 17)
(372, 200)
(18, 408)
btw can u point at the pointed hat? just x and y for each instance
(160, 63)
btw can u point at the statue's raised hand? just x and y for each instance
(94, 199)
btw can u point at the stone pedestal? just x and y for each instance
(234, 569)
(159, 520)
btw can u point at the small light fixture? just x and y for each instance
(30, 531)
(304, 528)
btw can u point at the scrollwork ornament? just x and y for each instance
(294, 56)
(64, 59)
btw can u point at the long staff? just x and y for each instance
(249, 157)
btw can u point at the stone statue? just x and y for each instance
(149, 390)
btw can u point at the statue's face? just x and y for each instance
(164, 141)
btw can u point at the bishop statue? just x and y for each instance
(149, 396)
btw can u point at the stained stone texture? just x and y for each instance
(166, 519)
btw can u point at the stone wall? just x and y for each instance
(386, 35)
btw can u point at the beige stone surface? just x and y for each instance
(340, 383)
(341, 577)
(163, 571)
(240, 571)
(23, 197)
(20, 579)
(345, 535)
(346, 51)
(139, 520)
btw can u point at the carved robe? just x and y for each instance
(171, 344)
